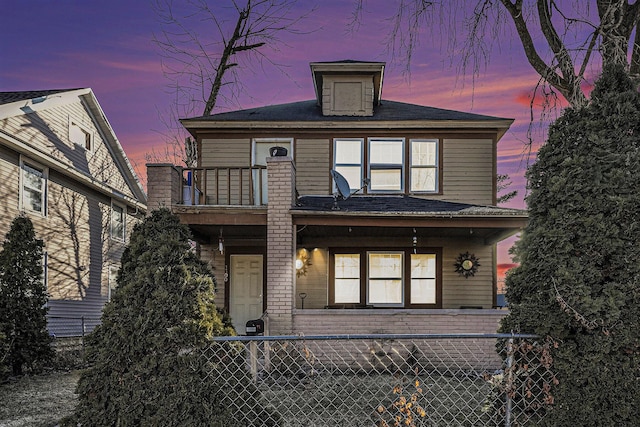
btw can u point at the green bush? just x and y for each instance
(23, 298)
(146, 358)
(578, 279)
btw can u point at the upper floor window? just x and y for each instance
(260, 150)
(81, 136)
(424, 166)
(348, 159)
(388, 165)
(386, 161)
(117, 222)
(33, 188)
(397, 278)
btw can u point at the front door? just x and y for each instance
(245, 293)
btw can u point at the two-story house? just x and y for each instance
(346, 213)
(62, 166)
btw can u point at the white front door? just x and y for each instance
(245, 293)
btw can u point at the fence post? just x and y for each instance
(509, 383)
(253, 360)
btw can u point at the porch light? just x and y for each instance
(221, 243)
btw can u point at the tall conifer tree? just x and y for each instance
(579, 276)
(23, 298)
(147, 365)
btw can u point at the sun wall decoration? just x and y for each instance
(466, 264)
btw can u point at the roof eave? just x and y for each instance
(501, 125)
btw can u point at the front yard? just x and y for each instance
(38, 401)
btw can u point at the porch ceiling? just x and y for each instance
(343, 234)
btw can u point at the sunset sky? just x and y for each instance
(107, 46)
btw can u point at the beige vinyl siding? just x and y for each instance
(313, 163)
(315, 283)
(224, 153)
(9, 189)
(475, 291)
(232, 154)
(468, 171)
(456, 290)
(48, 131)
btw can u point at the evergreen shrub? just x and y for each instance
(578, 279)
(146, 361)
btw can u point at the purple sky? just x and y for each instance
(107, 46)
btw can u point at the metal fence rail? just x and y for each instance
(385, 380)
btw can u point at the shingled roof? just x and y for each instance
(309, 111)
(399, 204)
(9, 97)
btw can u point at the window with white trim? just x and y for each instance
(393, 278)
(424, 165)
(112, 280)
(118, 224)
(45, 269)
(33, 187)
(260, 150)
(348, 159)
(390, 164)
(80, 135)
(386, 161)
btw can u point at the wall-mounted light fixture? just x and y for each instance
(221, 242)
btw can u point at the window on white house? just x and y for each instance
(384, 286)
(81, 136)
(347, 278)
(386, 165)
(117, 222)
(348, 158)
(33, 189)
(398, 278)
(45, 269)
(112, 280)
(424, 166)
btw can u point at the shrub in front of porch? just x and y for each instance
(146, 360)
(578, 279)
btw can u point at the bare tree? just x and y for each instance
(202, 52)
(562, 40)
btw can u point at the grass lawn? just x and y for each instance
(38, 401)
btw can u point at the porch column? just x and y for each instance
(280, 244)
(164, 186)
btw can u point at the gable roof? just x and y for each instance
(25, 102)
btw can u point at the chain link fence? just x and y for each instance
(385, 380)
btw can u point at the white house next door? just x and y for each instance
(245, 293)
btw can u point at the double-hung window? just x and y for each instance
(424, 166)
(379, 278)
(386, 161)
(33, 188)
(118, 217)
(348, 159)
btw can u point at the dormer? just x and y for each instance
(347, 88)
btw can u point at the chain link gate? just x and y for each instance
(384, 380)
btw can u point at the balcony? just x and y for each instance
(230, 186)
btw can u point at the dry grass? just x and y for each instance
(38, 401)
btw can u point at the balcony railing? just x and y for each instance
(232, 186)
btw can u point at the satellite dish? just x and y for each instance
(342, 185)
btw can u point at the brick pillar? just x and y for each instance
(164, 185)
(280, 244)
